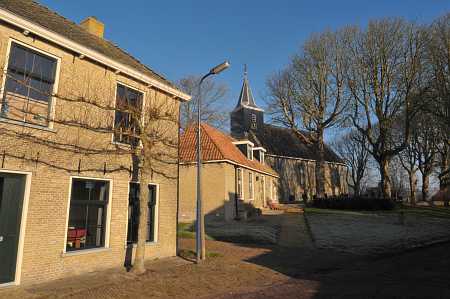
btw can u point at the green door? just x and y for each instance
(12, 189)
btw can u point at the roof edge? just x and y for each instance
(58, 39)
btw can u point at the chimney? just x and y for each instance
(93, 26)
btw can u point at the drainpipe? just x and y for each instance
(177, 245)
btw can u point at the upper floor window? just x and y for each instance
(29, 84)
(249, 152)
(128, 110)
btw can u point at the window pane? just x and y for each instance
(87, 214)
(151, 213)
(30, 76)
(127, 101)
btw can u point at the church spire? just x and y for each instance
(246, 96)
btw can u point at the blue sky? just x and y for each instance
(177, 38)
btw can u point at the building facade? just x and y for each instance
(235, 178)
(67, 193)
(292, 159)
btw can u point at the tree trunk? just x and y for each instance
(412, 188)
(425, 186)
(357, 188)
(385, 179)
(320, 168)
(139, 266)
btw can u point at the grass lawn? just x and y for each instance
(187, 231)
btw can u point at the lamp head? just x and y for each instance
(219, 68)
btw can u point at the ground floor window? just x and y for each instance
(87, 214)
(240, 189)
(133, 213)
(250, 185)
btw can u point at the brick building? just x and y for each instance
(235, 178)
(66, 193)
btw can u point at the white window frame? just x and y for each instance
(249, 152)
(23, 225)
(107, 222)
(241, 177)
(51, 105)
(144, 95)
(251, 186)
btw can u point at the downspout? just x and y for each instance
(177, 245)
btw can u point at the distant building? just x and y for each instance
(293, 160)
(235, 178)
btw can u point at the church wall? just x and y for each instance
(297, 177)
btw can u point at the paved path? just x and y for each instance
(294, 232)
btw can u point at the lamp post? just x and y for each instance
(200, 231)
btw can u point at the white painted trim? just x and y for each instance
(108, 211)
(303, 159)
(251, 178)
(233, 163)
(259, 148)
(244, 142)
(52, 101)
(240, 196)
(23, 224)
(82, 50)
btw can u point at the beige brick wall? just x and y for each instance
(219, 190)
(52, 168)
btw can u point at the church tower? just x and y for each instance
(246, 116)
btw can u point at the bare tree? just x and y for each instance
(408, 161)
(384, 77)
(212, 96)
(309, 95)
(438, 60)
(424, 139)
(353, 149)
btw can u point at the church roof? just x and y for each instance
(246, 97)
(283, 142)
(216, 146)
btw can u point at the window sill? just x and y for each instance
(25, 124)
(84, 251)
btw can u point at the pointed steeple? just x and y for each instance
(246, 96)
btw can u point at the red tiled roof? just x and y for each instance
(216, 145)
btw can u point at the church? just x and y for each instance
(292, 159)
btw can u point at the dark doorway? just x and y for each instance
(133, 218)
(12, 189)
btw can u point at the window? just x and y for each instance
(87, 214)
(29, 83)
(253, 121)
(133, 213)
(250, 185)
(274, 191)
(128, 108)
(240, 189)
(249, 152)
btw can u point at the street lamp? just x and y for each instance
(200, 232)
